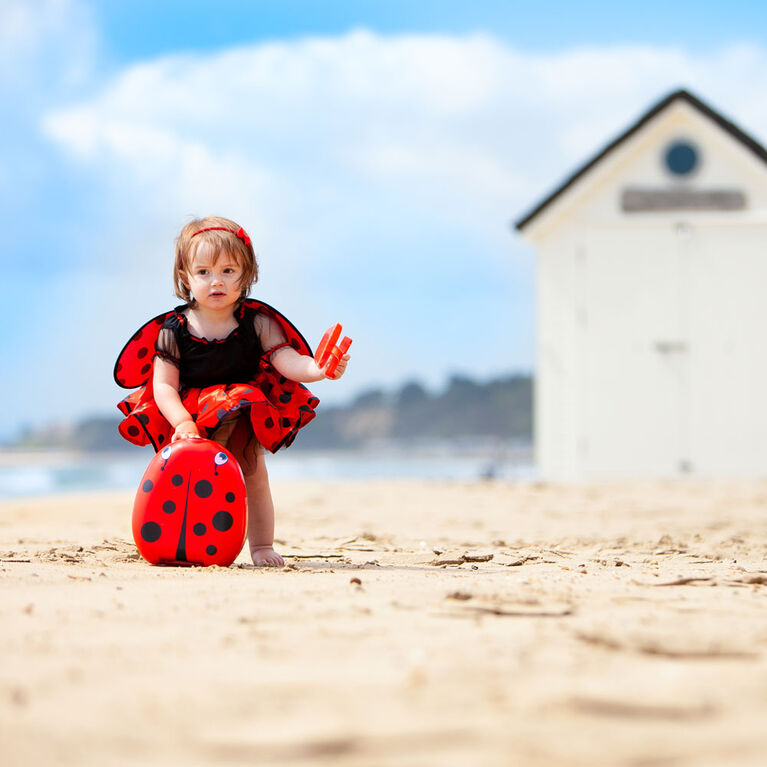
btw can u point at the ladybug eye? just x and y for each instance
(220, 459)
(165, 453)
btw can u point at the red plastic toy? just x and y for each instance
(327, 348)
(191, 507)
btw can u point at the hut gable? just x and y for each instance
(639, 171)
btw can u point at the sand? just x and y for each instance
(416, 624)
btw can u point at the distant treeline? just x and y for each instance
(499, 409)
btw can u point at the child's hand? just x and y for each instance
(185, 430)
(340, 369)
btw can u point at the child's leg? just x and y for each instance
(250, 456)
(261, 517)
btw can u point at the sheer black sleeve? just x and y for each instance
(270, 334)
(166, 347)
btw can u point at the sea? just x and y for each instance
(35, 473)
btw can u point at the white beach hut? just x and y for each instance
(652, 303)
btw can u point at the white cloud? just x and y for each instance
(46, 46)
(466, 123)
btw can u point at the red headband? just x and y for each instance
(238, 232)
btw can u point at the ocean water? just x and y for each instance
(27, 474)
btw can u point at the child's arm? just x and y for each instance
(165, 385)
(300, 367)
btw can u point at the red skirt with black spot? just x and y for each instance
(276, 406)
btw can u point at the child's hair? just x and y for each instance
(224, 236)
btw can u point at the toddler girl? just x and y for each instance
(221, 366)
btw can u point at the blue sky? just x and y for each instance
(376, 152)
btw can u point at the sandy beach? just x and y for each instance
(415, 624)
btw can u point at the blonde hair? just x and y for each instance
(222, 241)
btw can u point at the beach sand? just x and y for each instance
(416, 624)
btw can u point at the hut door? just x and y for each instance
(632, 351)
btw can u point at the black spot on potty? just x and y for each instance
(133, 431)
(229, 497)
(285, 398)
(269, 423)
(147, 486)
(169, 507)
(143, 418)
(145, 369)
(203, 488)
(142, 352)
(222, 521)
(151, 531)
(177, 479)
(211, 549)
(199, 529)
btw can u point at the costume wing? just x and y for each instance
(134, 363)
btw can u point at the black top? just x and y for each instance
(203, 363)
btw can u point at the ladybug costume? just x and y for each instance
(218, 378)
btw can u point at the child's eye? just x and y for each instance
(202, 271)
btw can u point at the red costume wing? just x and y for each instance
(134, 363)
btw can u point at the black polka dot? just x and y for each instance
(222, 521)
(145, 369)
(177, 480)
(160, 438)
(199, 529)
(269, 423)
(203, 488)
(137, 334)
(294, 344)
(150, 531)
(142, 352)
(305, 409)
(211, 550)
(229, 497)
(286, 397)
(133, 430)
(283, 380)
(147, 486)
(119, 366)
(169, 507)
(286, 422)
(143, 418)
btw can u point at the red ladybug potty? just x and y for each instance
(191, 508)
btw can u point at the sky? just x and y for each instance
(376, 152)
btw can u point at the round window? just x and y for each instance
(681, 158)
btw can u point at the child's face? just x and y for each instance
(214, 278)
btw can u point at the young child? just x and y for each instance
(222, 367)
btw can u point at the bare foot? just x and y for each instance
(266, 556)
